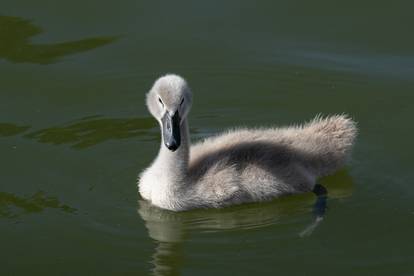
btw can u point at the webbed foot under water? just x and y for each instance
(238, 166)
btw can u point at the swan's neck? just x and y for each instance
(173, 165)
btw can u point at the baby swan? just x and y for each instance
(243, 165)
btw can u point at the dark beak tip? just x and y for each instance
(171, 147)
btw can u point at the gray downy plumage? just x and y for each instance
(240, 165)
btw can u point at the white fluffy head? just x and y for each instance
(170, 93)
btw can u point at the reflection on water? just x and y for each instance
(91, 131)
(7, 129)
(167, 253)
(15, 46)
(12, 206)
(170, 229)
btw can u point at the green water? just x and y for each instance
(74, 134)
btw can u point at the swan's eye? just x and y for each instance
(159, 99)
(182, 101)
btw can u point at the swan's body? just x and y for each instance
(242, 165)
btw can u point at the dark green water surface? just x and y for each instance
(75, 133)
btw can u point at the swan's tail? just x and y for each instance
(329, 142)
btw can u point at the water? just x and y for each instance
(74, 134)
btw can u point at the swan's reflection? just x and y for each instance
(167, 259)
(169, 229)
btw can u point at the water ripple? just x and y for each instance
(16, 32)
(13, 206)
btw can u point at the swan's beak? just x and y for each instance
(171, 130)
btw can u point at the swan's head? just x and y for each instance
(169, 101)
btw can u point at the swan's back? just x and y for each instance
(266, 162)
